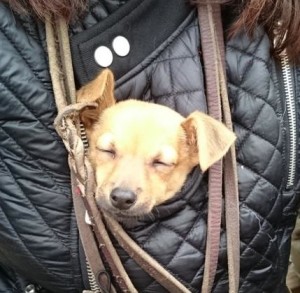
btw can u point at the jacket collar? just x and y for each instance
(192, 193)
(145, 24)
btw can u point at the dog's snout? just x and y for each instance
(122, 199)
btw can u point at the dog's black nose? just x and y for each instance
(122, 199)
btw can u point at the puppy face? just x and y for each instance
(140, 157)
(141, 152)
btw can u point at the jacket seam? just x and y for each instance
(6, 34)
(32, 207)
(253, 95)
(10, 91)
(40, 165)
(238, 124)
(44, 268)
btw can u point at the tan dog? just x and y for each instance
(142, 152)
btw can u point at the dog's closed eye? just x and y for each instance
(158, 163)
(166, 159)
(111, 152)
(105, 145)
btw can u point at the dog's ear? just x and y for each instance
(207, 138)
(101, 91)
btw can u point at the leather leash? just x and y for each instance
(68, 127)
(213, 50)
(59, 53)
(215, 179)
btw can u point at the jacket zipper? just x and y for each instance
(290, 108)
(93, 284)
(91, 278)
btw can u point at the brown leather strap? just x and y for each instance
(231, 194)
(80, 165)
(230, 174)
(88, 241)
(214, 63)
(54, 66)
(147, 263)
(64, 92)
(210, 62)
(109, 252)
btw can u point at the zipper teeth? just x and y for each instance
(83, 137)
(92, 281)
(93, 284)
(291, 112)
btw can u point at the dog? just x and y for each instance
(142, 152)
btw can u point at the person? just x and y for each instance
(153, 49)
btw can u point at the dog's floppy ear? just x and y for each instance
(207, 138)
(101, 91)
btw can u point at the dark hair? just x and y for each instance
(281, 20)
(68, 9)
(280, 16)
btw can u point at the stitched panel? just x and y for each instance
(257, 120)
(260, 155)
(267, 213)
(36, 226)
(98, 10)
(162, 78)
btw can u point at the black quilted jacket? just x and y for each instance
(39, 245)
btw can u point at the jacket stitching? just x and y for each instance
(254, 95)
(31, 205)
(175, 58)
(247, 67)
(39, 165)
(179, 93)
(243, 163)
(263, 256)
(252, 132)
(10, 91)
(248, 54)
(16, 47)
(93, 8)
(183, 241)
(150, 234)
(267, 167)
(44, 268)
(171, 74)
(247, 135)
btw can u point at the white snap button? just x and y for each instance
(103, 56)
(121, 46)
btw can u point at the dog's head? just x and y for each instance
(142, 152)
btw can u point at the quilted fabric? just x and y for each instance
(155, 81)
(38, 230)
(267, 210)
(180, 250)
(98, 10)
(38, 235)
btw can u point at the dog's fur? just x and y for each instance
(142, 152)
